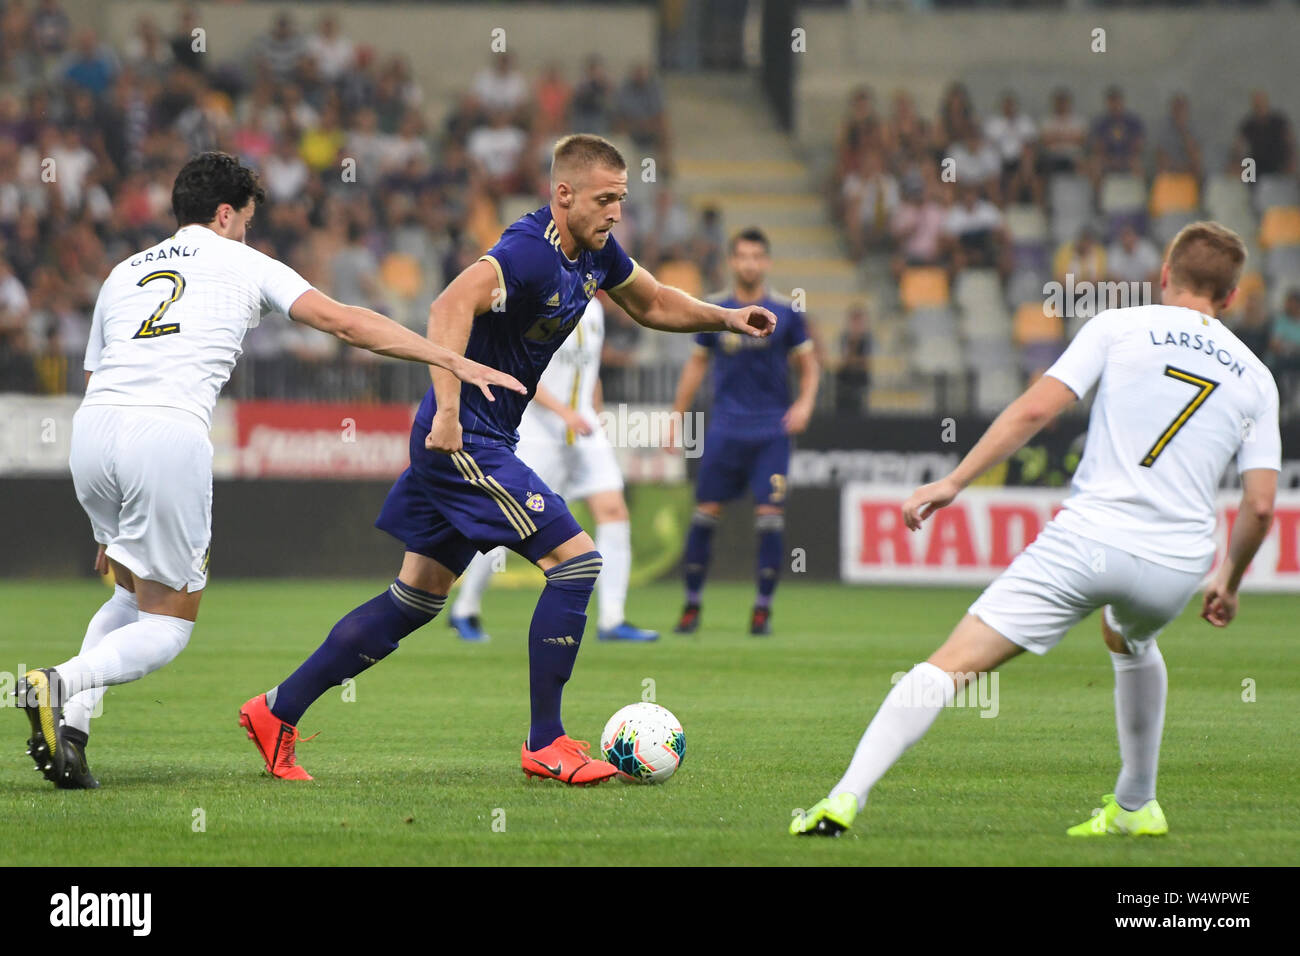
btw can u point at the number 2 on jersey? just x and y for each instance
(150, 328)
(1205, 386)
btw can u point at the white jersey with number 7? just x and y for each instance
(1178, 397)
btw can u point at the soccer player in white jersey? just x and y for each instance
(559, 438)
(1178, 398)
(165, 334)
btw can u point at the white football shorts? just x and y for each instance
(575, 471)
(1062, 577)
(144, 477)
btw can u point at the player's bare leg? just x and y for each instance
(906, 714)
(160, 630)
(699, 549)
(554, 637)
(1141, 686)
(362, 638)
(614, 542)
(769, 524)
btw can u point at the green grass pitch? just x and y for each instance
(422, 764)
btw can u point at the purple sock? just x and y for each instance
(699, 549)
(771, 532)
(553, 641)
(364, 636)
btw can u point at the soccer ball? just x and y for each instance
(645, 742)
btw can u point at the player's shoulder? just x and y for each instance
(718, 297)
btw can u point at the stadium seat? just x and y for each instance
(977, 288)
(1166, 227)
(1280, 226)
(937, 356)
(1115, 223)
(1026, 223)
(400, 274)
(932, 322)
(987, 322)
(1275, 190)
(984, 354)
(1068, 193)
(1251, 284)
(1283, 263)
(1122, 193)
(1032, 323)
(922, 286)
(1173, 193)
(1030, 256)
(682, 274)
(1025, 286)
(995, 389)
(1226, 197)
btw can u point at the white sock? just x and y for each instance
(118, 611)
(127, 653)
(904, 717)
(1141, 684)
(614, 542)
(475, 580)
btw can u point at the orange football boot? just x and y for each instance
(274, 738)
(566, 760)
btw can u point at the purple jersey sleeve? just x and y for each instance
(706, 339)
(619, 266)
(796, 329)
(523, 262)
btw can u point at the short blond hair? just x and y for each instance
(580, 151)
(1206, 258)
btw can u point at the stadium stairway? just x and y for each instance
(729, 153)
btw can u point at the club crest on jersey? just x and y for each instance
(589, 286)
(553, 301)
(535, 502)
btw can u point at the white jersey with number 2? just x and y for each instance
(170, 320)
(1178, 398)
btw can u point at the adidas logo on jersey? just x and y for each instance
(565, 641)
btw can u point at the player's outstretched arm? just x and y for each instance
(663, 307)
(365, 329)
(1019, 422)
(1254, 518)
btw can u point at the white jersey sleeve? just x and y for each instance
(95, 345)
(280, 285)
(1081, 365)
(1261, 437)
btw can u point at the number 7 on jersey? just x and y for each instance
(1204, 387)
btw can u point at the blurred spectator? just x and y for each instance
(553, 94)
(1265, 136)
(1133, 258)
(1177, 149)
(956, 117)
(592, 103)
(281, 49)
(707, 246)
(1116, 139)
(919, 227)
(147, 53)
(50, 28)
(870, 197)
(330, 50)
(498, 149)
(860, 130)
(667, 233)
(908, 133)
(975, 230)
(1063, 135)
(853, 377)
(639, 111)
(1024, 185)
(1009, 131)
(284, 174)
(320, 145)
(92, 65)
(183, 42)
(976, 161)
(500, 87)
(1254, 326)
(1284, 341)
(1083, 258)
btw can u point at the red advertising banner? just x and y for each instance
(299, 440)
(973, 539)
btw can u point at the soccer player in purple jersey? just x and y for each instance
(747, 445)
(466, 491)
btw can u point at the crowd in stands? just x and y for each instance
(977, 214)
(367, 200)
